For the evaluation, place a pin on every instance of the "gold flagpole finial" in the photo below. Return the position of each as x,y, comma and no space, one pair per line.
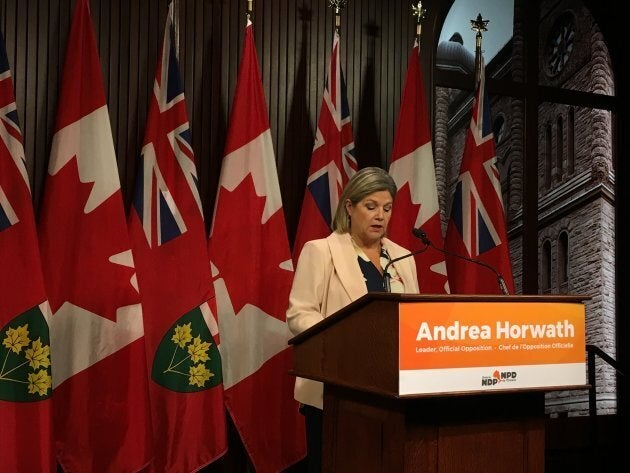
418,11
338,5
479,25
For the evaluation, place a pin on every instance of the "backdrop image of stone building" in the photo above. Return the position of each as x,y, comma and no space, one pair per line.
575,178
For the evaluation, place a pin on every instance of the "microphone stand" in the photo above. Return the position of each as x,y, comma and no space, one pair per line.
386,276
419,233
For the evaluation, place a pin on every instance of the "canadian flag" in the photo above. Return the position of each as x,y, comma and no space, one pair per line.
100,393
412,168
253,273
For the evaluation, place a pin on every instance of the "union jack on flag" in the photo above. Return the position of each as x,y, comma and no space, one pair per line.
477,227
11,136
161,219
332,161
8,216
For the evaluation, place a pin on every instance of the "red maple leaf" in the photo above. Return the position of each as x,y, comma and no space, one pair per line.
77,247
248,254
404,216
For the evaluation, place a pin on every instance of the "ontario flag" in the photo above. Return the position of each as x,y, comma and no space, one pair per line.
477,228
101,415
26,442
253,273
332,163
412,168
169,242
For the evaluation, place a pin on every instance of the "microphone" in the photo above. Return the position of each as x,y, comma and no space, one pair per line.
421,234
386,276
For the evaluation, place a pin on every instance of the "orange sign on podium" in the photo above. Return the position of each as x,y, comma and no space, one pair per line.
479,346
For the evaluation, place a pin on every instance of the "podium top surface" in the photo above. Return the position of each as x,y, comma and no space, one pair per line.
396,298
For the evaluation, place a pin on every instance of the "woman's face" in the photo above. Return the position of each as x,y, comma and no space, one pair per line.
370,216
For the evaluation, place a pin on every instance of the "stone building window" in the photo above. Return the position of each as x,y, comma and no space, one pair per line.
560,149
548,159
498,129
571,142
546,268
507,194
559,45
563,262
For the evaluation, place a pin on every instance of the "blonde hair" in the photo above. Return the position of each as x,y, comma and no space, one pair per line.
365,182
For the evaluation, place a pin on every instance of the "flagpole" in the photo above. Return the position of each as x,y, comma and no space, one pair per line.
338,5
418,11
174,9
479,25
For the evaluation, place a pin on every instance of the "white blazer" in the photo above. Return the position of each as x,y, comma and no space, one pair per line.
327,278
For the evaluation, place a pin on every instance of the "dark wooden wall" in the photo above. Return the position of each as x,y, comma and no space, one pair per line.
293,40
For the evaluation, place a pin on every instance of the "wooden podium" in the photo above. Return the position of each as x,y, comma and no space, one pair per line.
369,426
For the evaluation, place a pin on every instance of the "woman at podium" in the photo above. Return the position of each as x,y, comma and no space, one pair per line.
334,271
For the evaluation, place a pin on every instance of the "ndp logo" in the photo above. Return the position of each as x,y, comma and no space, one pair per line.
498,377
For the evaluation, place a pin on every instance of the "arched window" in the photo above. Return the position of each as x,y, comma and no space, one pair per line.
563,262
507,197
498,129
545,283
559,149
571,142
548,158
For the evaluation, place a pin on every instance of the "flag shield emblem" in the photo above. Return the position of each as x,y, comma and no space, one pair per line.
25,352
187,359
